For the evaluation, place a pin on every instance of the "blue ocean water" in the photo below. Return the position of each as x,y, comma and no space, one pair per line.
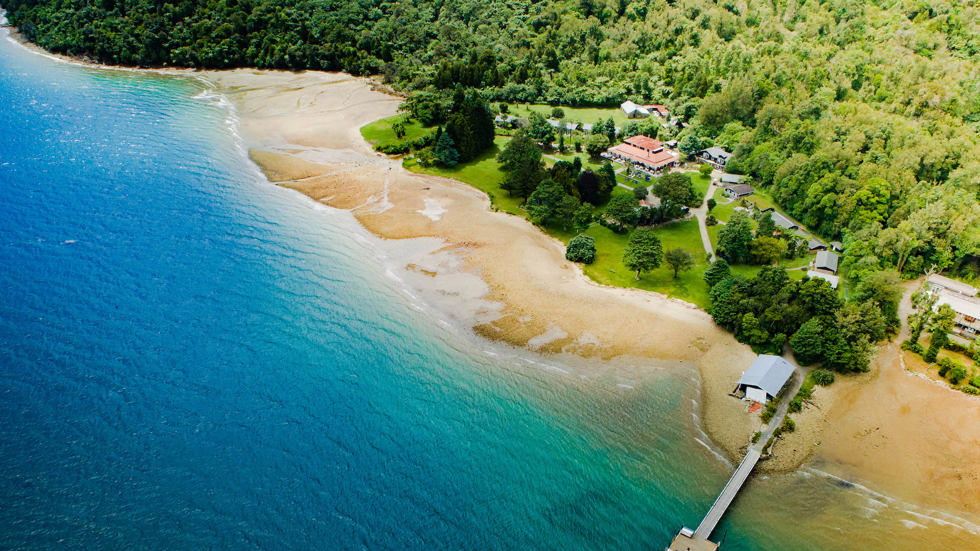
193,358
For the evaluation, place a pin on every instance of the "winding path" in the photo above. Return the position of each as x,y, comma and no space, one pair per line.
701,214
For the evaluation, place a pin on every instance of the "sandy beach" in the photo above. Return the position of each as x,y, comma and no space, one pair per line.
498,274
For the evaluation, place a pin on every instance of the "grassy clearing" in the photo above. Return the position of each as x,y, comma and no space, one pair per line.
722,211
585,115
570,157
701,184
380,132
608,268
482,173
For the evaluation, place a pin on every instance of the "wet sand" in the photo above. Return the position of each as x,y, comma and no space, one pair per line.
902,432
508,281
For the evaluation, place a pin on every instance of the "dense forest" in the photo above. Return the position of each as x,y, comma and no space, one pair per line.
860,117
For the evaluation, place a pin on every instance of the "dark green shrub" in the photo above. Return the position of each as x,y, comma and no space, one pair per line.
795,405
789,425
755,437
581,249
972,390
913,346
770,410
822,377
945,364
957,374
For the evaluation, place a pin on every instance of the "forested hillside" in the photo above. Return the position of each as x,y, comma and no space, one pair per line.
861,117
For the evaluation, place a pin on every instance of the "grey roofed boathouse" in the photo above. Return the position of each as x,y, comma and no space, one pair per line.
768,373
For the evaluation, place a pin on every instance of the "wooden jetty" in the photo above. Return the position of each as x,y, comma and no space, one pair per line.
697,540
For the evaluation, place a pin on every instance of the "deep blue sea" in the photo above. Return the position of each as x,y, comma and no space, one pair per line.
193,358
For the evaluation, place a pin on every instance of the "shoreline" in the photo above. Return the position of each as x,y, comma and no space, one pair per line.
532,298
500,275
316,149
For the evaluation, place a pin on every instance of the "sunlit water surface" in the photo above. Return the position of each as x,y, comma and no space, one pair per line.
193,358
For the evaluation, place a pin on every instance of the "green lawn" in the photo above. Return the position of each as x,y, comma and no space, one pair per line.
380,132
701,184
761,200
585,115
570,157
749,270
482,173
608,268
722,211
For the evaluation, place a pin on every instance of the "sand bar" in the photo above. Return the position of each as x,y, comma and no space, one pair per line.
509,281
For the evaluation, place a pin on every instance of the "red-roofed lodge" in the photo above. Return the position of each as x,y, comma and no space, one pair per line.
645,152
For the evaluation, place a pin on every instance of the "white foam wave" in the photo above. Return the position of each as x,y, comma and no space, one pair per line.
932,515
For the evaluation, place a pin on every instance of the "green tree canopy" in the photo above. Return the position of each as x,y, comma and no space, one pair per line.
680,260
676,187
596,144
445,150
540,130
622,210
643,251
581,248
549,205
520,160
766,250
716,271
734,238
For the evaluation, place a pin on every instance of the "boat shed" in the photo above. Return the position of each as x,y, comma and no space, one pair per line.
765,378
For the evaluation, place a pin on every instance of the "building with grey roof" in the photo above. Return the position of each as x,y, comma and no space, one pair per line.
764,379
732,178
736,191
830,278
816,245
715,156
784,222
826,260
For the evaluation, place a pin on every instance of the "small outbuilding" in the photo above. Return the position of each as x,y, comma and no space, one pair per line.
826,260
836,246
816,244
830,278
634,111
784,222
764,379
732,178
736,191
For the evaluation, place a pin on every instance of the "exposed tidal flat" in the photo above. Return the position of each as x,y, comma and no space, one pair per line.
197,358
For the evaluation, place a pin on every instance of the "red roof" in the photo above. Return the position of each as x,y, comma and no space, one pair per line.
663,111
644,142
642,156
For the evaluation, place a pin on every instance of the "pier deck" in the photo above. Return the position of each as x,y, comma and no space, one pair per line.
698,540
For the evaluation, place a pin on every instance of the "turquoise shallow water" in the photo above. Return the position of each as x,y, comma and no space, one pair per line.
193,358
